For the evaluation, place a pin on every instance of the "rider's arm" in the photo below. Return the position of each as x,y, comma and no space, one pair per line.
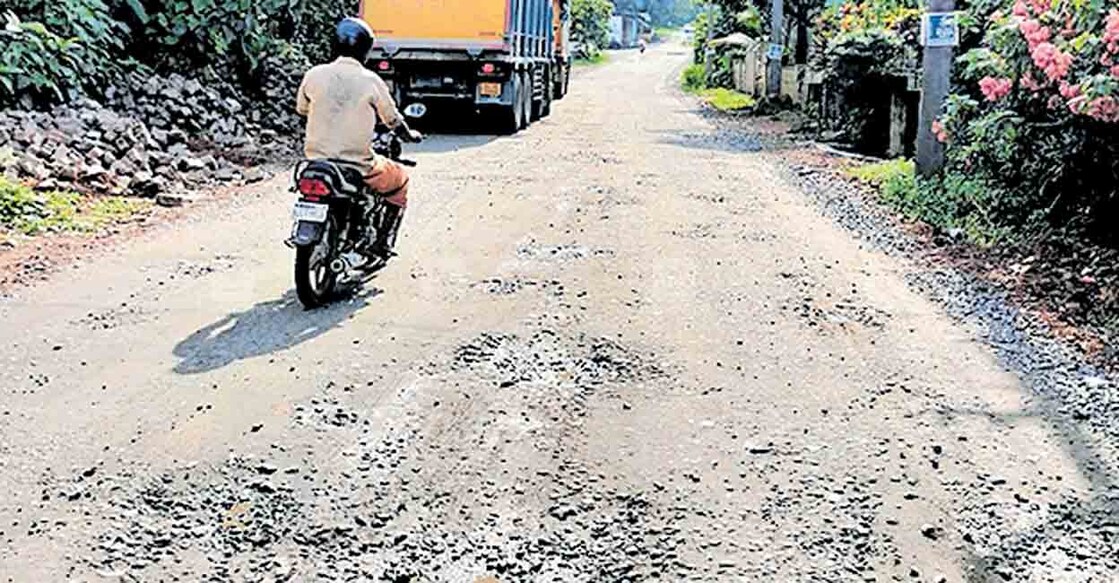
302,102
384,104
387,111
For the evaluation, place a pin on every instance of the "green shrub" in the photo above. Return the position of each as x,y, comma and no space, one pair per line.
590,25
1035,115
53,49
39,64
954,203
692,78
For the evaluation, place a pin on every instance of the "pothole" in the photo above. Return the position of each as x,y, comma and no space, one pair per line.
510,286
546,356
560,253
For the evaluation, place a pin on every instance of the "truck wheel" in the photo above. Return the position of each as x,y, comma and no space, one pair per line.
510,118
546,100
526,100
557,83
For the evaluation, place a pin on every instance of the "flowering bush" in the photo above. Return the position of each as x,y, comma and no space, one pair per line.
1035,117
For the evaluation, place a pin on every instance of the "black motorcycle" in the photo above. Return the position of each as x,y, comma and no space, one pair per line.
336,220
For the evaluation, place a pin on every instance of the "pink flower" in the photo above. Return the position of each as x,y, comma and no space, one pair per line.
939,131
1111,31
1068,90
1111,26
1021,10
1115,71
1040,6
1052,60
995,89
1104,108
1028,82
1035,33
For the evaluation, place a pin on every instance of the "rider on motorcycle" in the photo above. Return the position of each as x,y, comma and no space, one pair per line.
343,102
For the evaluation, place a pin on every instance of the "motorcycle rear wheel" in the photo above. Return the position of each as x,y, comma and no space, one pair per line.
315,282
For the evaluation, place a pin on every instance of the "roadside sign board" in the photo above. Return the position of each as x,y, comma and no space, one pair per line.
940,29
774,51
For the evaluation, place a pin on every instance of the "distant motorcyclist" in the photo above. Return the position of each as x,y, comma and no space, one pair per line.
642,45
343,102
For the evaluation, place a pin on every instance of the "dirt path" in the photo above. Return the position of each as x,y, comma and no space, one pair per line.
613,349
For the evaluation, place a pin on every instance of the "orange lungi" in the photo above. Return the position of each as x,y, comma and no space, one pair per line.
390,180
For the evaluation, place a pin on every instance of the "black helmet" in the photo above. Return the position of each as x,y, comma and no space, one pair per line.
353,38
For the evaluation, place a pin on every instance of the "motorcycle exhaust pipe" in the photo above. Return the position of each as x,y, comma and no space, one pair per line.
339,265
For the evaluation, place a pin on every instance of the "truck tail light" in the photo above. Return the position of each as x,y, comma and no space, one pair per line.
488,69
384,66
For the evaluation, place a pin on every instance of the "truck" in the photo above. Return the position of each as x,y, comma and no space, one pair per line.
507,60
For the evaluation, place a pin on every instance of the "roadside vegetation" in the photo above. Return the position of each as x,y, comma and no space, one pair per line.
1030,130
599,58
720,98
590,29
25,211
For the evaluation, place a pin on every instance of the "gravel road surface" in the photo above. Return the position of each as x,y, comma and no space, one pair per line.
615,347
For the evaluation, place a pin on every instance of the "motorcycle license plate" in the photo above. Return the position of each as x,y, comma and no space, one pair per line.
309,211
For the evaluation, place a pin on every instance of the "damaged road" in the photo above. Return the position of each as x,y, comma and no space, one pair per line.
616,347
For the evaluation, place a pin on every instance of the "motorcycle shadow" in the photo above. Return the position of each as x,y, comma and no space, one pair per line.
266,328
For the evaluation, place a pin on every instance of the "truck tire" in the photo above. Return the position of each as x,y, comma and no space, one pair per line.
546,99
563,78
526,99
557,83
510,118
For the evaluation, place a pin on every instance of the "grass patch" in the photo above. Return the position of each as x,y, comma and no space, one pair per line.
596,59
29,212
901,172
727,100
952,204
694,80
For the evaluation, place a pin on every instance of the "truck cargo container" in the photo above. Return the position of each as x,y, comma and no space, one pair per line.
508,60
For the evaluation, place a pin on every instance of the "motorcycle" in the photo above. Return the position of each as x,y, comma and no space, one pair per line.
336,220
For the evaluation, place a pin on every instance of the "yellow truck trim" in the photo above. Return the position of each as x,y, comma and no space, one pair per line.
438,23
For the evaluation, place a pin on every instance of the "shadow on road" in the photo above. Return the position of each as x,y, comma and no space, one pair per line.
443,143
265,328
717,141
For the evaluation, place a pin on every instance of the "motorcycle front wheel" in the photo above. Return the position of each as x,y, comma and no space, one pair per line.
315,281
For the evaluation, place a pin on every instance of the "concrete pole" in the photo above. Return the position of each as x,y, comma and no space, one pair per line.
707,42
936,68
773,66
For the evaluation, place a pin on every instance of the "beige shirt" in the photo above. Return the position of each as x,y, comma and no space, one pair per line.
343,101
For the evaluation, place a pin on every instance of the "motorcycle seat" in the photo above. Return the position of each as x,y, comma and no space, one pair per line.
342,177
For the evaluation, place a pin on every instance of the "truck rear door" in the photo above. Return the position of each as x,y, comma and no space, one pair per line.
438,24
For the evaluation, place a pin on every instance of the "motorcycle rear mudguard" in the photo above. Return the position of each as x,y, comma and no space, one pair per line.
307,233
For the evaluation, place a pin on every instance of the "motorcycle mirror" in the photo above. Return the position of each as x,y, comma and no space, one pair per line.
415,110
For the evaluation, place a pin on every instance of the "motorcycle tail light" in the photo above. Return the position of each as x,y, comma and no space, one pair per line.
383,65
488,69
313,187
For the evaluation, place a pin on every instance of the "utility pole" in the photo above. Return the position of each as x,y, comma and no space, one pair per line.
707,42
776,47
939,36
